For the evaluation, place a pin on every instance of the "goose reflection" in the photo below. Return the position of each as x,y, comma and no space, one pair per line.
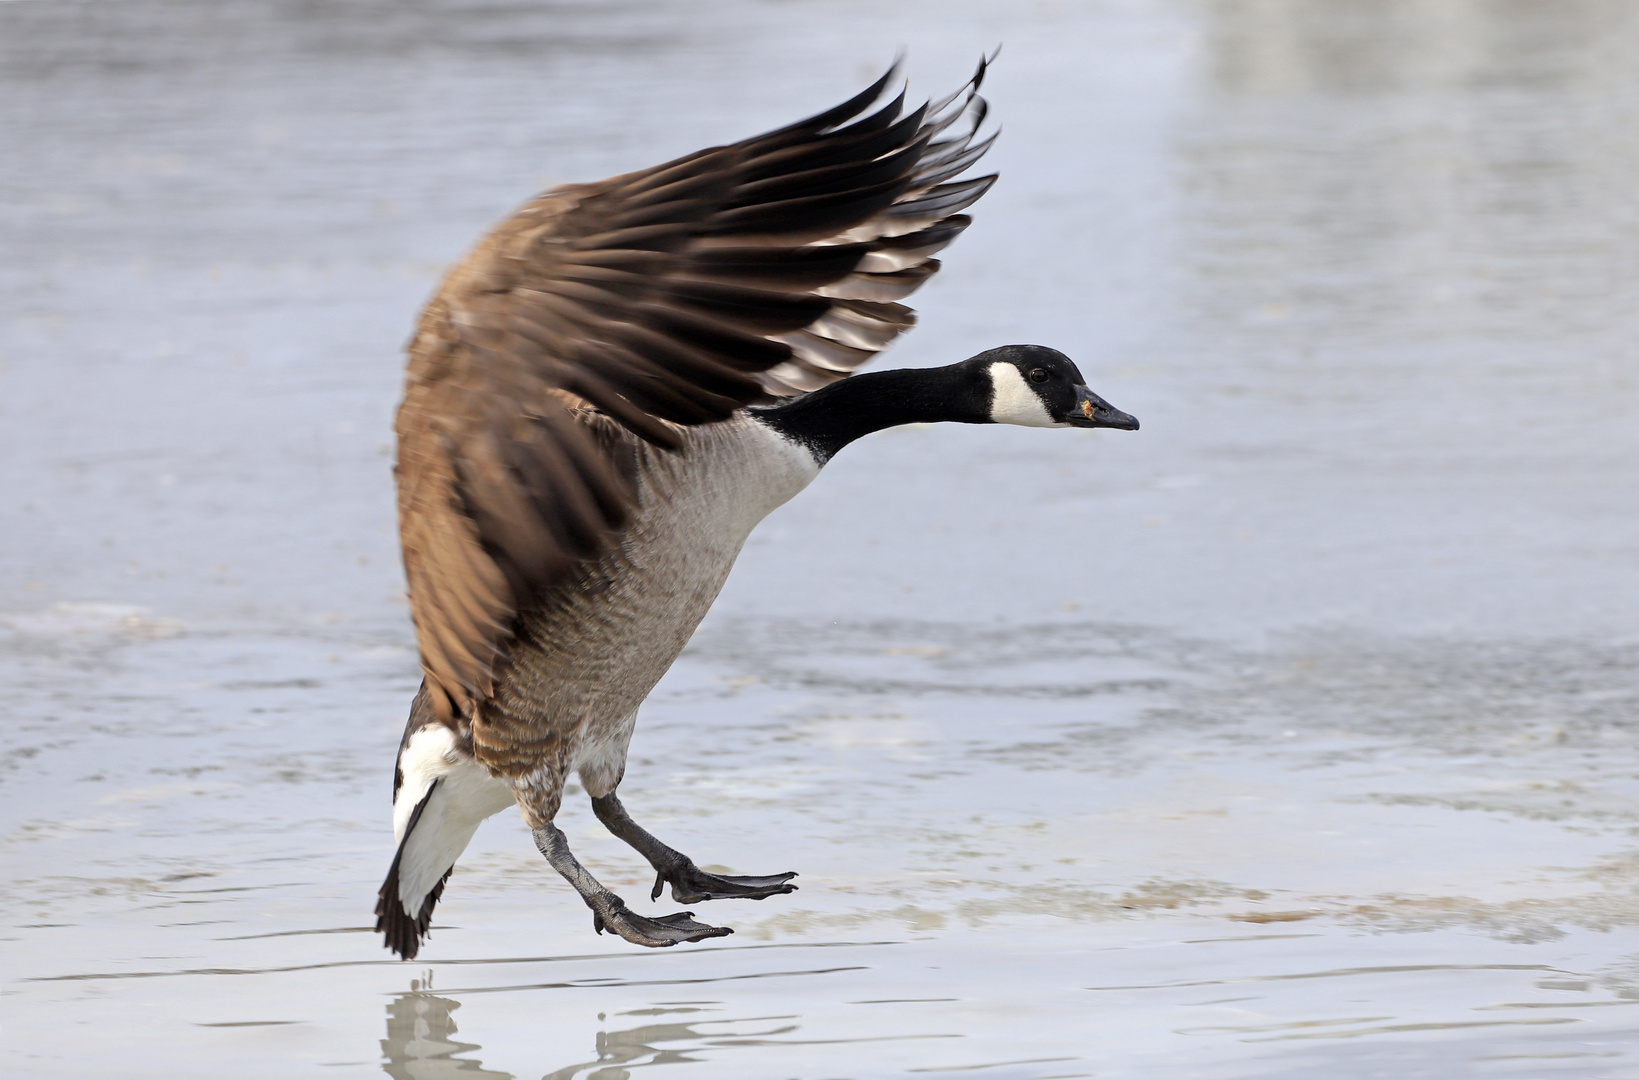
646,1045
420,1043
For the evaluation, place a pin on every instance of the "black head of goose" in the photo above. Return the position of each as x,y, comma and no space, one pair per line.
1028,385
604,398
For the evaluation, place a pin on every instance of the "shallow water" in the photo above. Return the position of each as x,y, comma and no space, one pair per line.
1294,735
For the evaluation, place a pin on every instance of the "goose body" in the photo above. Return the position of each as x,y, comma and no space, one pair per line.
605,398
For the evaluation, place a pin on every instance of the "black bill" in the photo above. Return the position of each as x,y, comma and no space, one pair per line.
1094,411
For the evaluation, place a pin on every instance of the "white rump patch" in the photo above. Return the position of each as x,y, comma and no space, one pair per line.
466,794
1014,402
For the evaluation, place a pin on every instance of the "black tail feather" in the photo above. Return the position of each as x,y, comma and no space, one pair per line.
403,933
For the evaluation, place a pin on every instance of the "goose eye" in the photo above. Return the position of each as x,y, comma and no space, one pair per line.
1039,375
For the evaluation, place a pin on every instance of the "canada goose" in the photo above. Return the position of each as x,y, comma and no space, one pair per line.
604,398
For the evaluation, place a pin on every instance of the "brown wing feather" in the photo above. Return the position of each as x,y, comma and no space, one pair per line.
604,313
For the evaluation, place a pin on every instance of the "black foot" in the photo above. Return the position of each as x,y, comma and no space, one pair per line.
658,933
690,885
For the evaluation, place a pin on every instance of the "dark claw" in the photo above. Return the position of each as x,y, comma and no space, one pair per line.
691,885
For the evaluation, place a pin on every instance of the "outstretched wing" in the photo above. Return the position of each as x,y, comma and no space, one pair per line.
667,297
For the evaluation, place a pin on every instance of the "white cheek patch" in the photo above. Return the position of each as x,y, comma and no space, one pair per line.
1014,402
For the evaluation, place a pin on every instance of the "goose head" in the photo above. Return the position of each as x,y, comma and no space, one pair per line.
1034,386
1029,385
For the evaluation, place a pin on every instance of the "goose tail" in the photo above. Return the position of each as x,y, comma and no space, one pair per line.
441,795
403,928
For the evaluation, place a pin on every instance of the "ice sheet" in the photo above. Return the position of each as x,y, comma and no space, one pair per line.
1294,735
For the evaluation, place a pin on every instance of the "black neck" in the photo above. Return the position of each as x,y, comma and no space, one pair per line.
832,417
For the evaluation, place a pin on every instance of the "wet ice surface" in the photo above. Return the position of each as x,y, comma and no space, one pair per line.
1291,736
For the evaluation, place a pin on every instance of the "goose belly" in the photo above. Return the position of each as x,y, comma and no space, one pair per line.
585,659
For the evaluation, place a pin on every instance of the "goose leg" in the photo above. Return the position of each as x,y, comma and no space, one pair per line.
690,884
609,912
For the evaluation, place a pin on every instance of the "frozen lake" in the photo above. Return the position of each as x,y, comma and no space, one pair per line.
1296,735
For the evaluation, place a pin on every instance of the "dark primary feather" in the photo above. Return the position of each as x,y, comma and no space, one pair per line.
616,311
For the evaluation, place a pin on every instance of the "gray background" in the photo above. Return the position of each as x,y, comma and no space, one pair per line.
1295,732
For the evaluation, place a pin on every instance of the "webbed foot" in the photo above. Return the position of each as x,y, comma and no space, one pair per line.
691,885
657,933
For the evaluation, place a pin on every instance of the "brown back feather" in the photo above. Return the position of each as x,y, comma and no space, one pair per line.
604,312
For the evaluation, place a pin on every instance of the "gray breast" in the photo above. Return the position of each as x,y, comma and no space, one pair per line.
587,656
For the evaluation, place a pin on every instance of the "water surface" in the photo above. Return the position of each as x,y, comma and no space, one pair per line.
1294,735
